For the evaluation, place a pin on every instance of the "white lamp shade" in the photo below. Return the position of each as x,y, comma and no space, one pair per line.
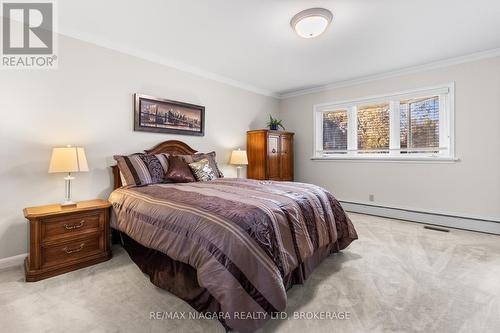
239,157
68,159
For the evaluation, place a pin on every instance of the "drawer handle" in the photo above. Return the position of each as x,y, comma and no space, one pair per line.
78,249
273,151
74,226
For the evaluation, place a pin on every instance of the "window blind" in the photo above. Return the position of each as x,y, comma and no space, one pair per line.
335,130
419,124
373,127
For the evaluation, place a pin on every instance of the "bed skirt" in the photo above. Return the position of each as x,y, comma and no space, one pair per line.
180,279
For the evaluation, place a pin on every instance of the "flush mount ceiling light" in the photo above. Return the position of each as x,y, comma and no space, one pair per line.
311,22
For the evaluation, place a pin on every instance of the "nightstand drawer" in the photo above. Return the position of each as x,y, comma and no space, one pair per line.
71,225
70,251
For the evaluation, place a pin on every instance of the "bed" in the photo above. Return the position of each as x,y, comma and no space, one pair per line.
231,248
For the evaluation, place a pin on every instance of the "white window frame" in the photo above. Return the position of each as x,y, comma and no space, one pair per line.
446,93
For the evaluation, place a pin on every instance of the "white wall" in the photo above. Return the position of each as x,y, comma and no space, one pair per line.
88,101
469,188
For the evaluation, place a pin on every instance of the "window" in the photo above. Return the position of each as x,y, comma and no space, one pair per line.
335,130
373,128
409,125
419,123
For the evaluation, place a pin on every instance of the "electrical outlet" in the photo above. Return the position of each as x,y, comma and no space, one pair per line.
371,197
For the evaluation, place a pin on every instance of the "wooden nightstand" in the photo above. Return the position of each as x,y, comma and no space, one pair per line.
64,239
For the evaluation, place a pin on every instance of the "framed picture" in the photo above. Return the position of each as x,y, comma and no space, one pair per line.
153,114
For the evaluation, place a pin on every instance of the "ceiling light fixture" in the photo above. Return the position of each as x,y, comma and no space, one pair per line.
311,22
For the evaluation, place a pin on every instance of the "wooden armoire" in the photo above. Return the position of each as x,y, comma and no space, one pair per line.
270,155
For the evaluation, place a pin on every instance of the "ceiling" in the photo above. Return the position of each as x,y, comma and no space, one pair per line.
251,44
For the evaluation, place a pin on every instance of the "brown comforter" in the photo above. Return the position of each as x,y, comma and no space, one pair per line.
243,237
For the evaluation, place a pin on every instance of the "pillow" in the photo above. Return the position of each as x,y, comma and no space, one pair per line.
143,169
122,179
202,170
179,171
211,161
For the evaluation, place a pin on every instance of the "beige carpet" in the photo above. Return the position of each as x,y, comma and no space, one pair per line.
398,277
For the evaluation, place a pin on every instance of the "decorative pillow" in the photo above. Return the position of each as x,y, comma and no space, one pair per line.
143,169
202,170
179,171
211,161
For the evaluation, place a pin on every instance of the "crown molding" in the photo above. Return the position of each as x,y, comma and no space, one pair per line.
167,62
265,92
404,71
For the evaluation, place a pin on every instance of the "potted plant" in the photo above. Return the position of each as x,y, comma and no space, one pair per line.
274,123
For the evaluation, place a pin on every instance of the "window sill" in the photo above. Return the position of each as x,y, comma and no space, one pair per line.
423,159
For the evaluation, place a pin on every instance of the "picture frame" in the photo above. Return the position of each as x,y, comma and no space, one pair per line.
159,115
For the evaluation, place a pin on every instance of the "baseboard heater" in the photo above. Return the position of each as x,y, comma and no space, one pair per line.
428,218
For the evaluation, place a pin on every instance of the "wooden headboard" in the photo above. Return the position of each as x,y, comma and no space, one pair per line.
172,147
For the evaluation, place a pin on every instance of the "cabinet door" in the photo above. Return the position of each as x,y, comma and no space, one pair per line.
257,155
273,157
286,157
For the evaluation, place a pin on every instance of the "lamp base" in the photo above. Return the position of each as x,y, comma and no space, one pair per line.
67,200
238,171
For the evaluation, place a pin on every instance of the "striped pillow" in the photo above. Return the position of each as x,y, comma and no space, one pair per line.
143,169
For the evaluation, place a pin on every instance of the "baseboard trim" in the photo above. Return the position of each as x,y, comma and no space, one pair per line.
443,220
12,261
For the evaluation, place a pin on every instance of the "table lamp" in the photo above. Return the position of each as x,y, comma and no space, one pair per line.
68,159
239,158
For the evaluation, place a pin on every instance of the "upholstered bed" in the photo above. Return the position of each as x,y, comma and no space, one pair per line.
229,246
